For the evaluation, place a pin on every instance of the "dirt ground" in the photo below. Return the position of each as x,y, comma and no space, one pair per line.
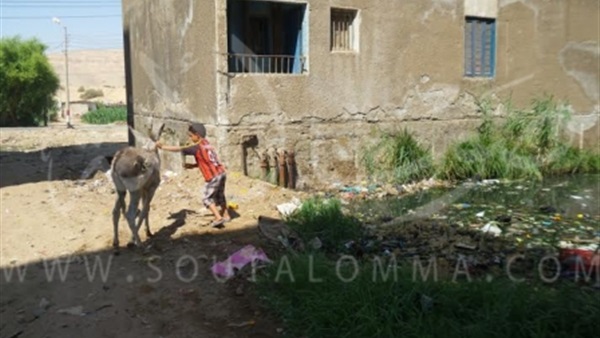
59,275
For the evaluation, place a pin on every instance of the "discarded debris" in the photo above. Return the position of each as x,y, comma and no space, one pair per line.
278,232
168,174
238,260
315,243
492,229
44,304
286,209
577,258
426,303
78,310
242,324
74,311
465,246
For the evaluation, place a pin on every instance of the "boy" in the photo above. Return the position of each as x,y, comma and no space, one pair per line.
212,170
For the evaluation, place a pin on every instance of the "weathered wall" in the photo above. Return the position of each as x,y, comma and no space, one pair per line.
173,62
408,72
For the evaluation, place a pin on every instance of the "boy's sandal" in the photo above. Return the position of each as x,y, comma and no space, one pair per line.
217,224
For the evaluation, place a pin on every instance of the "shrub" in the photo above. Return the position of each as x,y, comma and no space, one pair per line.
105,115
526,145
398,157
324,218
91,93
28,82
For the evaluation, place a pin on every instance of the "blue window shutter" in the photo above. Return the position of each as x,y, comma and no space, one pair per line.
493,49
480,47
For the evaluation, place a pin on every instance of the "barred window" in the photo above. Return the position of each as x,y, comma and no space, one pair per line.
267,37
480,47
344,35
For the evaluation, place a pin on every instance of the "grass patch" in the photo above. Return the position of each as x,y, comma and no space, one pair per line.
527,145
493,160
324,218
398,157
563,159
376,307
105,115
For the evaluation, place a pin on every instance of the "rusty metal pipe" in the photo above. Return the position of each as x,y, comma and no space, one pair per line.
291,169
282,167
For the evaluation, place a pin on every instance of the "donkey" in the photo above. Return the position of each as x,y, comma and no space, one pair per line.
135,170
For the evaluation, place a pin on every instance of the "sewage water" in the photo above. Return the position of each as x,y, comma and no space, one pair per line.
566,206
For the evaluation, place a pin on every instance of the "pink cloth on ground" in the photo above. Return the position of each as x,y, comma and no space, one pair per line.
238,260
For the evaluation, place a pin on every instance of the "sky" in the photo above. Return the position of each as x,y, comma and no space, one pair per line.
91,24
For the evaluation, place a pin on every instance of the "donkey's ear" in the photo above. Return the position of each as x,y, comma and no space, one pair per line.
160,131
140,138
156,136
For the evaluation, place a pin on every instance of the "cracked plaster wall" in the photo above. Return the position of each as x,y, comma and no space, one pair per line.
173,63
408,73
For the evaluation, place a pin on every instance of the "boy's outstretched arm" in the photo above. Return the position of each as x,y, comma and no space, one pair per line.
168,148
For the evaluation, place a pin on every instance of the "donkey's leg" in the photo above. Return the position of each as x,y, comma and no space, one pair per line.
148,199
119,207
134,200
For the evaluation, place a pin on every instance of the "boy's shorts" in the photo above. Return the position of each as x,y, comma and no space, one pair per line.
214,191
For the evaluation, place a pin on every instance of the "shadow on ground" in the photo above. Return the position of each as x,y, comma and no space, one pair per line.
55,163
163,289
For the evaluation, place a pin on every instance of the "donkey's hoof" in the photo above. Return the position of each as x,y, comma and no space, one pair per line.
115,247
131,245
149,234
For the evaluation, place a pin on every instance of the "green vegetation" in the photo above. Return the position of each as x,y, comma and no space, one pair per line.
91,93
322,294
525,145
398,157
105,115
28,83
323,218
368,306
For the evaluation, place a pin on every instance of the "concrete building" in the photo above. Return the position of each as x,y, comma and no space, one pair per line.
322,78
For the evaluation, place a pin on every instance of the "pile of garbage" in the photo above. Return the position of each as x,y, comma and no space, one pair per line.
369,191
461,227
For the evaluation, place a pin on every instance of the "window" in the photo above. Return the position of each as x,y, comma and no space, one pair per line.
344,30
266,37
480,47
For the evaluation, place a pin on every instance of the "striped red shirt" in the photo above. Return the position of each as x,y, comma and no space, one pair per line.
206,159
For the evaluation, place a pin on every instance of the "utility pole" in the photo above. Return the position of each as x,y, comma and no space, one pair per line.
68,103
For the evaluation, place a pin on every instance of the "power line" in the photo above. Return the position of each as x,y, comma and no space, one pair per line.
11,6
97,37
74,2
62,17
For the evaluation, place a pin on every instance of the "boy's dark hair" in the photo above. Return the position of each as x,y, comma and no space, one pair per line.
198,129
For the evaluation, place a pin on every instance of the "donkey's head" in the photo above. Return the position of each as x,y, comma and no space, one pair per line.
147,142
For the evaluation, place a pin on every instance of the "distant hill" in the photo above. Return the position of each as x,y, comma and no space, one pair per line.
92,69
